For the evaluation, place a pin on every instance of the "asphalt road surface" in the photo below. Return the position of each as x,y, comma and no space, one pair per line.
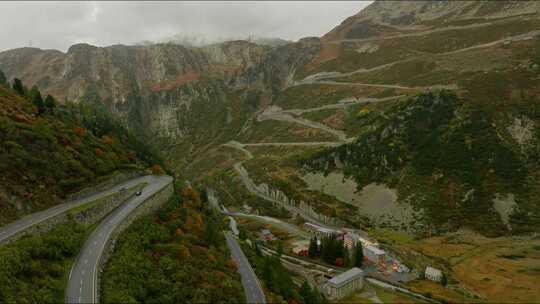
82,284
252,288
35,218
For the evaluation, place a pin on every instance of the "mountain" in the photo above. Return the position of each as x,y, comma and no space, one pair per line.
383,18
159,89
187,101
414,121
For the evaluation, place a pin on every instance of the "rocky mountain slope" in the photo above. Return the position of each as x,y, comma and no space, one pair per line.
179,98
394,17
188,101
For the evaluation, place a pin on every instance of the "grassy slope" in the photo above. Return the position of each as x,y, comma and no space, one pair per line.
436,148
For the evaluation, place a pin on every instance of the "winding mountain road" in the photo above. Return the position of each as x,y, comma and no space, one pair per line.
252,288
83,279
30,220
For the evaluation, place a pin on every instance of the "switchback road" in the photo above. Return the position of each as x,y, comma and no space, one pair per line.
82,284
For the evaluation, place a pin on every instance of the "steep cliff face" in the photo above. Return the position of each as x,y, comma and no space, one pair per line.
168,92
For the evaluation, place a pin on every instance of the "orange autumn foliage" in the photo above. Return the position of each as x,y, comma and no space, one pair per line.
98,152
107,140
81,132
231,264
191,197
157,170
183,253
194,224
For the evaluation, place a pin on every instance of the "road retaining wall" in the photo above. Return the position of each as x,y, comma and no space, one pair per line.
115,179
86,216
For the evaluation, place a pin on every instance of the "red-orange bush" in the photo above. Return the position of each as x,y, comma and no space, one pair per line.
81,132
98,152
157,170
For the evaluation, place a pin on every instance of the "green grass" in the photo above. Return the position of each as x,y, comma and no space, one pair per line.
457,39
390,236
282,131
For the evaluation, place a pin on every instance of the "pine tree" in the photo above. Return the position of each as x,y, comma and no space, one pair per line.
346,256
306,293
312,251
242,234
258,251
358,255
444,280
3,79
18,86
50,104
280,249
37,100
268,272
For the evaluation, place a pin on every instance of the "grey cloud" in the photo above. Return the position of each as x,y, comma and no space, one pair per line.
59,24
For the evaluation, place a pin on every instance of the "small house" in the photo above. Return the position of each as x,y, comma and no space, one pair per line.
433,274
266,235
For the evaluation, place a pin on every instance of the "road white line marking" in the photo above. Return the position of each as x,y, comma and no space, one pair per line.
82,272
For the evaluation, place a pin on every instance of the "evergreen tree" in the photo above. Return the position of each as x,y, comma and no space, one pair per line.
18,86
258,251
37,100
358,255
306,293
347,256
444,280
313,248
50,104
3,79
242,234
280,249
268,272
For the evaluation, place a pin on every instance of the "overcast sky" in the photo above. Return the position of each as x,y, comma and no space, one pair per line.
57,25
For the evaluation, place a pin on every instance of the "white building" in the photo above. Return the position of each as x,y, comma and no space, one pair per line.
344,284
433,274
374,254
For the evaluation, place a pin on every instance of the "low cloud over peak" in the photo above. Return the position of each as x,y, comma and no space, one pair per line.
58,25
